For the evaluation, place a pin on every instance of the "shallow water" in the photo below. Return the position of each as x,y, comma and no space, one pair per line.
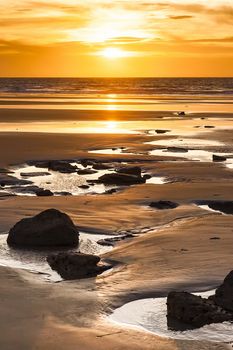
35,260
59,182
150,315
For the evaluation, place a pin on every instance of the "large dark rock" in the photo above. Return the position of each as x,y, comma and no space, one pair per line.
224,294
194,311
164,205
135,170
75,265
50,228
101,166
121,179
86,171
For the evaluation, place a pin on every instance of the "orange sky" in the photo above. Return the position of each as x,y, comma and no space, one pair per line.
116,38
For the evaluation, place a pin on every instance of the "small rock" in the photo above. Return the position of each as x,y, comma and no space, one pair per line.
219,158
164,205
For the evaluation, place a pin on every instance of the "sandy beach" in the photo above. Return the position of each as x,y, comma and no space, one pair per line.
172,250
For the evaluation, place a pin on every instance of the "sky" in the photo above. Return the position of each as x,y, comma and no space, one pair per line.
98,38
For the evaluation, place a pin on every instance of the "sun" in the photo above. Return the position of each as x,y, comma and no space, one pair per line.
113,53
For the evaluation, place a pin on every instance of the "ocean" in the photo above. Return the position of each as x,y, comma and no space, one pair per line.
122,86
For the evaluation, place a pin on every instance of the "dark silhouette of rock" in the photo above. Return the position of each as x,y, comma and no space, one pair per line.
86,162
62,166
113,240
44,193
181,113
225,207
219,158
63,193
84,187
209,126
120,179
224,294
86,171
160,131
136,171
177,149
194,310
102,166
34,174
50,228
147,176
76,265
164,205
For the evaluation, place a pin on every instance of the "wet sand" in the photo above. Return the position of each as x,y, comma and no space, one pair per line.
176,253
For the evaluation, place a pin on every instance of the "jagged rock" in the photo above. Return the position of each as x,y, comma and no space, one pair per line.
164,205
136,171
219,158
86,162
49,228
194,310
224,294
76,265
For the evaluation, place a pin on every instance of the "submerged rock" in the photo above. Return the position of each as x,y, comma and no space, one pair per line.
225,207
181,113
76,265
50,228
164,205
159,131
110,242
194,310
101,166
62,166
86,172
224,294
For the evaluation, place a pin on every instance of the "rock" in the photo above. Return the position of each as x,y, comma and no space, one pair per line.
215,238
25,189
224,294
76,265
209,126
193,310
62,166
219,158
111,241
159,131
147,176
111,191
63,193
44,193
39,163
177,149
84,187
49,228
86,172
120,179
181,113
225,207
136,171
7,180
34,174
101,166
164,205
86,162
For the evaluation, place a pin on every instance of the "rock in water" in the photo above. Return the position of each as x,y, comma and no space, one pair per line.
194,311
121,179
164,205
134,170
224,206
44,193
224,294
217,158
50,228
75,265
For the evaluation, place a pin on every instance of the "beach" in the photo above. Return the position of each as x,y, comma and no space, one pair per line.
170,249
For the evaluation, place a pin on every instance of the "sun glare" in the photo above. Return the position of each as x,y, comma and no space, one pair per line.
111,125
113,52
